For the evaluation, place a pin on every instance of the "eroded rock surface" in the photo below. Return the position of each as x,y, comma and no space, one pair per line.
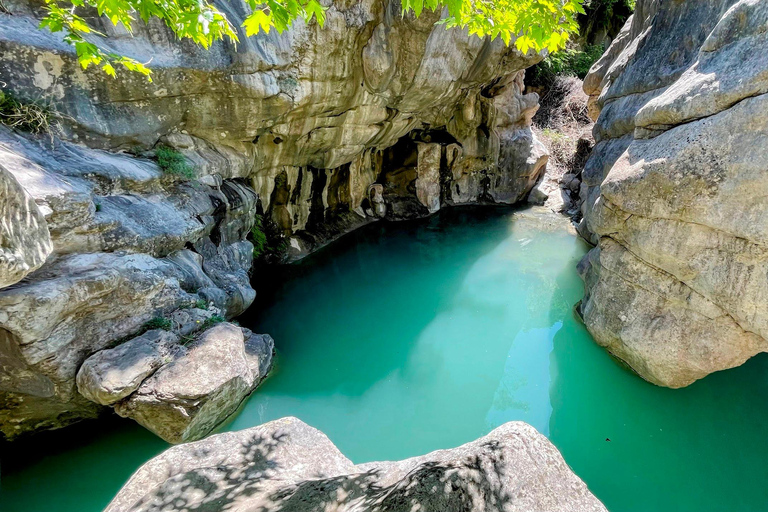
288,465
202,385
373,116
25,242
112,374
676,190
122,236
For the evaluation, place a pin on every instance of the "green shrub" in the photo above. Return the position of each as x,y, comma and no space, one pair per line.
201,304
159,322
25,116
565,63
173,162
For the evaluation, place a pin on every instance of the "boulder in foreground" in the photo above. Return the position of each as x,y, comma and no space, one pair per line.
286,465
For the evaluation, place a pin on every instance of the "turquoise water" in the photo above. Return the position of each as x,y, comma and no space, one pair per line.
404,338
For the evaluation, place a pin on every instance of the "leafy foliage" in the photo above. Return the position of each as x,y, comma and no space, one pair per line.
258,237
173,162
570,62
25,116
532,24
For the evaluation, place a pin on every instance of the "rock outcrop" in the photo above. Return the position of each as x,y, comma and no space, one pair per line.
201,385
179,386
130,244
306,115
321,130
677,191
288,465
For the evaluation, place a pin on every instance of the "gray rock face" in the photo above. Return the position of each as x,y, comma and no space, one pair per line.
122,236
111,375
373,116
206,381
287,465
676,190
306,116
24,239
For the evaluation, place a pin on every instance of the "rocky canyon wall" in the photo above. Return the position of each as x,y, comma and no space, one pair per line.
321,130
677,190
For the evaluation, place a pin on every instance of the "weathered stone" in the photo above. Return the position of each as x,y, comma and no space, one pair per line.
428,175
288,465
204,384
676,190
111,375
24,239
301,126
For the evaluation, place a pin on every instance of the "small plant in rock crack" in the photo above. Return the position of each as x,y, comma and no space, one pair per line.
171,161
159,322
201,304
269,244
210,322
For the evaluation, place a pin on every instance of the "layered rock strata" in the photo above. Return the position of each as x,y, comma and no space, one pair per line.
130,244
288,465
306,116
676,190
321,130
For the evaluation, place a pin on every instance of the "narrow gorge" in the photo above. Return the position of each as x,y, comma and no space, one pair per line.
334,228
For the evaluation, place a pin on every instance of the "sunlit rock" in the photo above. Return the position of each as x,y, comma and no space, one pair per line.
288,465
202,385
676,190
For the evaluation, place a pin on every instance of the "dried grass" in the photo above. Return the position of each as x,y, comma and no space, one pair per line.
25,116
563,125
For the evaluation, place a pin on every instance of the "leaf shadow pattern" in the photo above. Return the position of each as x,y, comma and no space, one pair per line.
295,468
218,487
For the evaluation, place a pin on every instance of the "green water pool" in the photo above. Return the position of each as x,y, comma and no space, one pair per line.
404,338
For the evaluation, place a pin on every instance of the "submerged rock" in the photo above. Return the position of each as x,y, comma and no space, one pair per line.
205,382
677,192
288,465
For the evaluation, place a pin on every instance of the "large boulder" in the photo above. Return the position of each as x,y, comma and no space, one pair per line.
677,191
112,374
287,465
201,385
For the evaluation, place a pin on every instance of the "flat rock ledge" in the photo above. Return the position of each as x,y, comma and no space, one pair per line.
287,465
178,386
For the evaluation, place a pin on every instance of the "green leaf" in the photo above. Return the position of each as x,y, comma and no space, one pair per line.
256,22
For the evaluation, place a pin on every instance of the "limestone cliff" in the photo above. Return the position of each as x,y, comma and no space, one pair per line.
677,190
321,130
